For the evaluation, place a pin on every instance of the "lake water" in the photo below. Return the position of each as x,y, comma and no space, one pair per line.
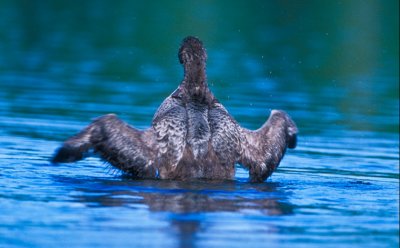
333,66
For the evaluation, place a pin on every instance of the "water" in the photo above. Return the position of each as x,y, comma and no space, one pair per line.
332,66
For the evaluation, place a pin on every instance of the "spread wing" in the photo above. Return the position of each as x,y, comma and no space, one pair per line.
123,146
264,148
170,129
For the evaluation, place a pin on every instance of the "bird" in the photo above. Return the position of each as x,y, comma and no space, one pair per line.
192,135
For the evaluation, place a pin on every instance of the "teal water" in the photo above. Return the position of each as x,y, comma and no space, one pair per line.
333,66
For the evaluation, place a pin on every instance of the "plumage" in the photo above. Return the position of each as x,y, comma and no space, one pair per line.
192,135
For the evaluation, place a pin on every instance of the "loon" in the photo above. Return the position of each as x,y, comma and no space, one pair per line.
191,136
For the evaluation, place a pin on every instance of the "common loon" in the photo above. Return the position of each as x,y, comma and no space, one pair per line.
191,136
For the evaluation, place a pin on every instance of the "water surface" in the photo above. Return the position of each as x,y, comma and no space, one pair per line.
332,66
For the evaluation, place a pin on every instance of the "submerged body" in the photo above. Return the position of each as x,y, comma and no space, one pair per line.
192,135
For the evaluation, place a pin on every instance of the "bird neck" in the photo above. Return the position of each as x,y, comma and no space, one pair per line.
195,80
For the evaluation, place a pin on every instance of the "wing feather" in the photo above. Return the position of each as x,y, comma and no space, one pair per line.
263,149
226,135
170,128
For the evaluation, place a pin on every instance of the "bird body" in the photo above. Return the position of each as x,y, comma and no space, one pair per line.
191,136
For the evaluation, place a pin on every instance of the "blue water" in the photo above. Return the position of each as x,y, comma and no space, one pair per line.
62,65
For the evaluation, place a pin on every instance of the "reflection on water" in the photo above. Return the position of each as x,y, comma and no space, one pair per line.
189,197
186,203
332,65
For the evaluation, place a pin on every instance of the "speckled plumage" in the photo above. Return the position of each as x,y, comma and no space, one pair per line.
192,135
